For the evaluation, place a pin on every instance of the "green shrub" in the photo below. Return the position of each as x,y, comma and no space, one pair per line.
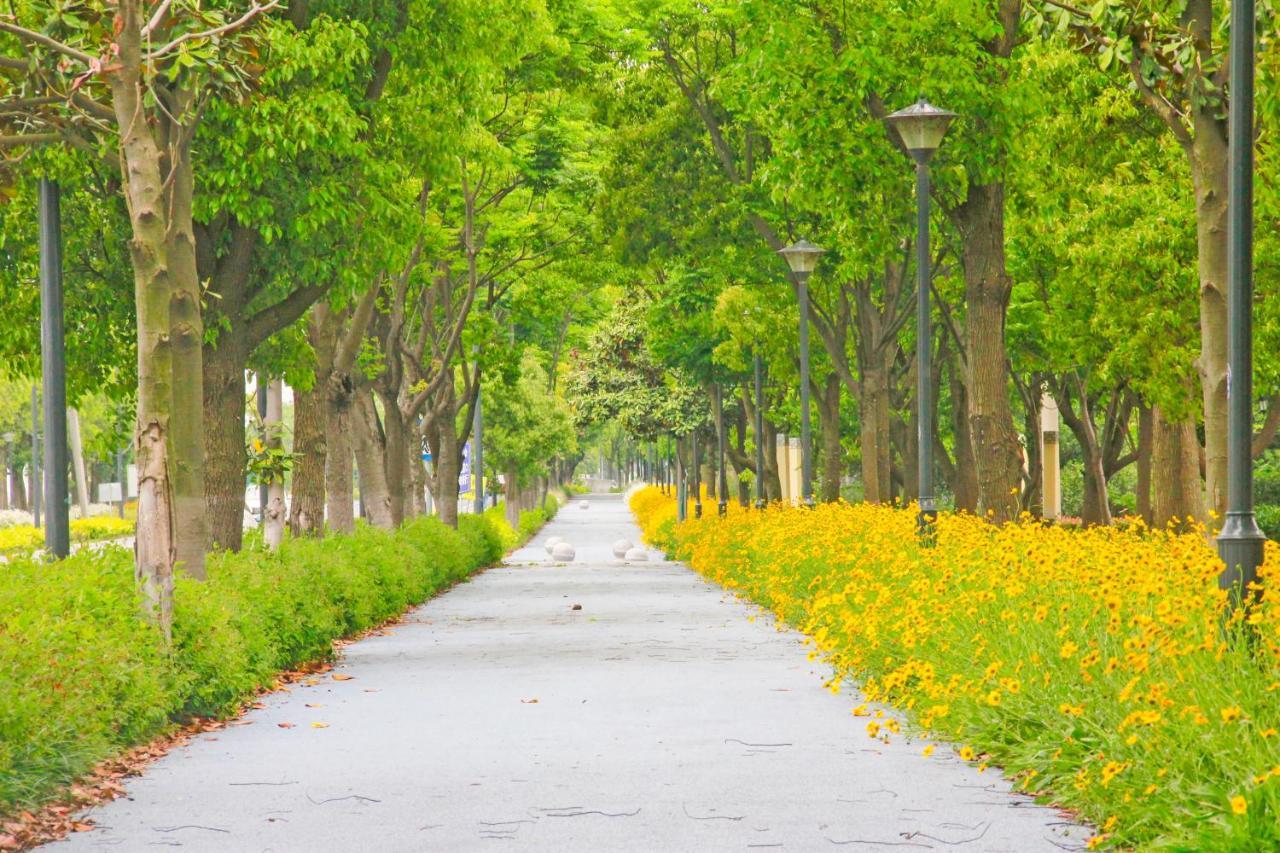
83,676
1269,519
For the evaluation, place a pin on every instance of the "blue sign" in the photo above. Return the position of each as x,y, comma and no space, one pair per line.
464,475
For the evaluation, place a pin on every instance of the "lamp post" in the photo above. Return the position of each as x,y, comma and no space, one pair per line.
722,481
802,256
57,533
921,127
697,476
1241,543
759,425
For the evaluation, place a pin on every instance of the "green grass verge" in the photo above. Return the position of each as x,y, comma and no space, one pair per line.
83,676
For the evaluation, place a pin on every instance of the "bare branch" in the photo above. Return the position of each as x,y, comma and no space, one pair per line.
157,18
45,41
239,23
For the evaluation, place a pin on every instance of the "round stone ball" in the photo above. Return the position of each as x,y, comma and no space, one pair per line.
563,552
584,505
553,542
621,547
637,555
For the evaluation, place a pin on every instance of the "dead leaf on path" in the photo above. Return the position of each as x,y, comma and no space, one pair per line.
82,826
372,690
312,682
315,704
576,607
319,725
338,676
8,842
285,725
529,701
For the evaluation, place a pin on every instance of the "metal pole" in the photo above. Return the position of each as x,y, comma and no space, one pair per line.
1241,543
697,477
924,335
682,488
722,482
806,429
57,534
759,425
35,455
478,462
262,419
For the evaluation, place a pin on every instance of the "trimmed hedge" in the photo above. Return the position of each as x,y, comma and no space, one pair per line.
83,676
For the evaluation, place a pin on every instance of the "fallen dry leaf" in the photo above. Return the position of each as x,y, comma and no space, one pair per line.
315,704
338,676
576,607
319,725
82,826
285,725
529,701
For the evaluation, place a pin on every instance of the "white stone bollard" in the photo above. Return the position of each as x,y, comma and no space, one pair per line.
553,542
637,555
621,547
563,552
584,505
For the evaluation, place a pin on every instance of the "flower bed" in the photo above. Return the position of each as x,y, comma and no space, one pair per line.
1092,665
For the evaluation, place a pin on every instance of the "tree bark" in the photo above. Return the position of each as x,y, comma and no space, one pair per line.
965,486
77,461
274,516
874,437
370,453
224,437
1145,436
339,483
310,453
1176,494
1209,172
987,288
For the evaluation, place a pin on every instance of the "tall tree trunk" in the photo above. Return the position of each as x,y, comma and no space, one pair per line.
186,438
77,461
987,287
370,453
339,485
1145,427
446,453
966,483
874,437
1176,494
832,452
773,476
19,489
274,515
310,453
1209,171
224,437
399,477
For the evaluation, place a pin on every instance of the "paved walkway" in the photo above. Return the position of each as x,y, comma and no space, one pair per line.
657,717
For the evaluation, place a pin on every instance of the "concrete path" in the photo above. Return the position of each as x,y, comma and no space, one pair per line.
658,717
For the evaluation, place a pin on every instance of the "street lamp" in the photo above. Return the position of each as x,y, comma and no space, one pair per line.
759,425
921,127
722,481
802,257
1241,543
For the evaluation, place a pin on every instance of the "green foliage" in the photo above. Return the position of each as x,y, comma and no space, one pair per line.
83,676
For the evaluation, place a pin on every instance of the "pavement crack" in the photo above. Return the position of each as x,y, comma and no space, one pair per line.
756,745
591,812
709,817
978,837
191,826
879,843
359,797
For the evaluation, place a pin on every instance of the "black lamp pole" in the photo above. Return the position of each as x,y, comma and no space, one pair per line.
921,127
1241,543
722,482
759,425
57,531
802,257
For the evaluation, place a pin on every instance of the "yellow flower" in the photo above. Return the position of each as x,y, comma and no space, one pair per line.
860,711
1239,805
928,750
873,728
966,753
1068,650
1095,842
1230,715
993,698
1070,710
